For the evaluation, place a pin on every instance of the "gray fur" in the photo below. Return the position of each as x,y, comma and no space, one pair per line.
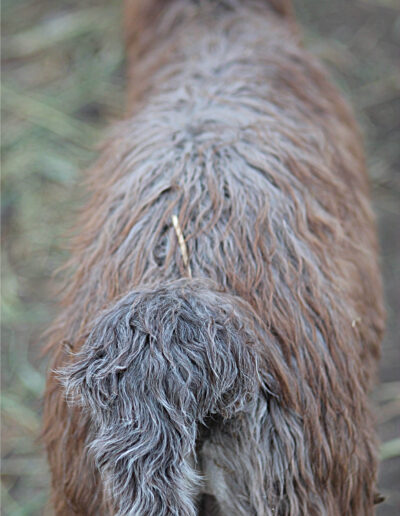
152,368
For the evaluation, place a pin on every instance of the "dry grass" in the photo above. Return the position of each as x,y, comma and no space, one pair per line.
62,84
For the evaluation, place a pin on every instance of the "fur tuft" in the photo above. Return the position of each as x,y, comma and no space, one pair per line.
153,367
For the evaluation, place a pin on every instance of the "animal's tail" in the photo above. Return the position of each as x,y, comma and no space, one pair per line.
153,367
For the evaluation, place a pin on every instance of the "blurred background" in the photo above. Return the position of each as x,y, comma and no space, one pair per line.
62,85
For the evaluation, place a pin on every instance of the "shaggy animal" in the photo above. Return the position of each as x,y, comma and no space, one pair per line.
222,320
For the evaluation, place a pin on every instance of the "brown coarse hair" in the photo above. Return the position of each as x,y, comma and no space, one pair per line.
222,318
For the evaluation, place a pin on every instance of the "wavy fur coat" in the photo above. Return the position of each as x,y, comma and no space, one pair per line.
222,319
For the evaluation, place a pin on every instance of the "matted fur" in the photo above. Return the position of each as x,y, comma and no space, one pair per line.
244,387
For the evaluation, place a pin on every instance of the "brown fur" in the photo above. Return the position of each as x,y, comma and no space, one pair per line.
294,238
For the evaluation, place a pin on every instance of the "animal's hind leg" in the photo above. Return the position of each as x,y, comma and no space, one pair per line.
257,465
232,463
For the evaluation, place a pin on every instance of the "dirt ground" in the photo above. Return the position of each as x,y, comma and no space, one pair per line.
62,84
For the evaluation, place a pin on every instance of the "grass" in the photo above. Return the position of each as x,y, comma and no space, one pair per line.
62,84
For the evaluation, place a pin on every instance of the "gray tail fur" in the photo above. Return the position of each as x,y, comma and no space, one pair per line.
152,368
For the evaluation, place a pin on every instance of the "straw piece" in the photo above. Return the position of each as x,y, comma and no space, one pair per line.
182,244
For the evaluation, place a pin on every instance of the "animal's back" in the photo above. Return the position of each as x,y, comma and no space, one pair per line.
236,130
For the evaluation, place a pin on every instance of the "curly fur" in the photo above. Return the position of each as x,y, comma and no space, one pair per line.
242,390
200,352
